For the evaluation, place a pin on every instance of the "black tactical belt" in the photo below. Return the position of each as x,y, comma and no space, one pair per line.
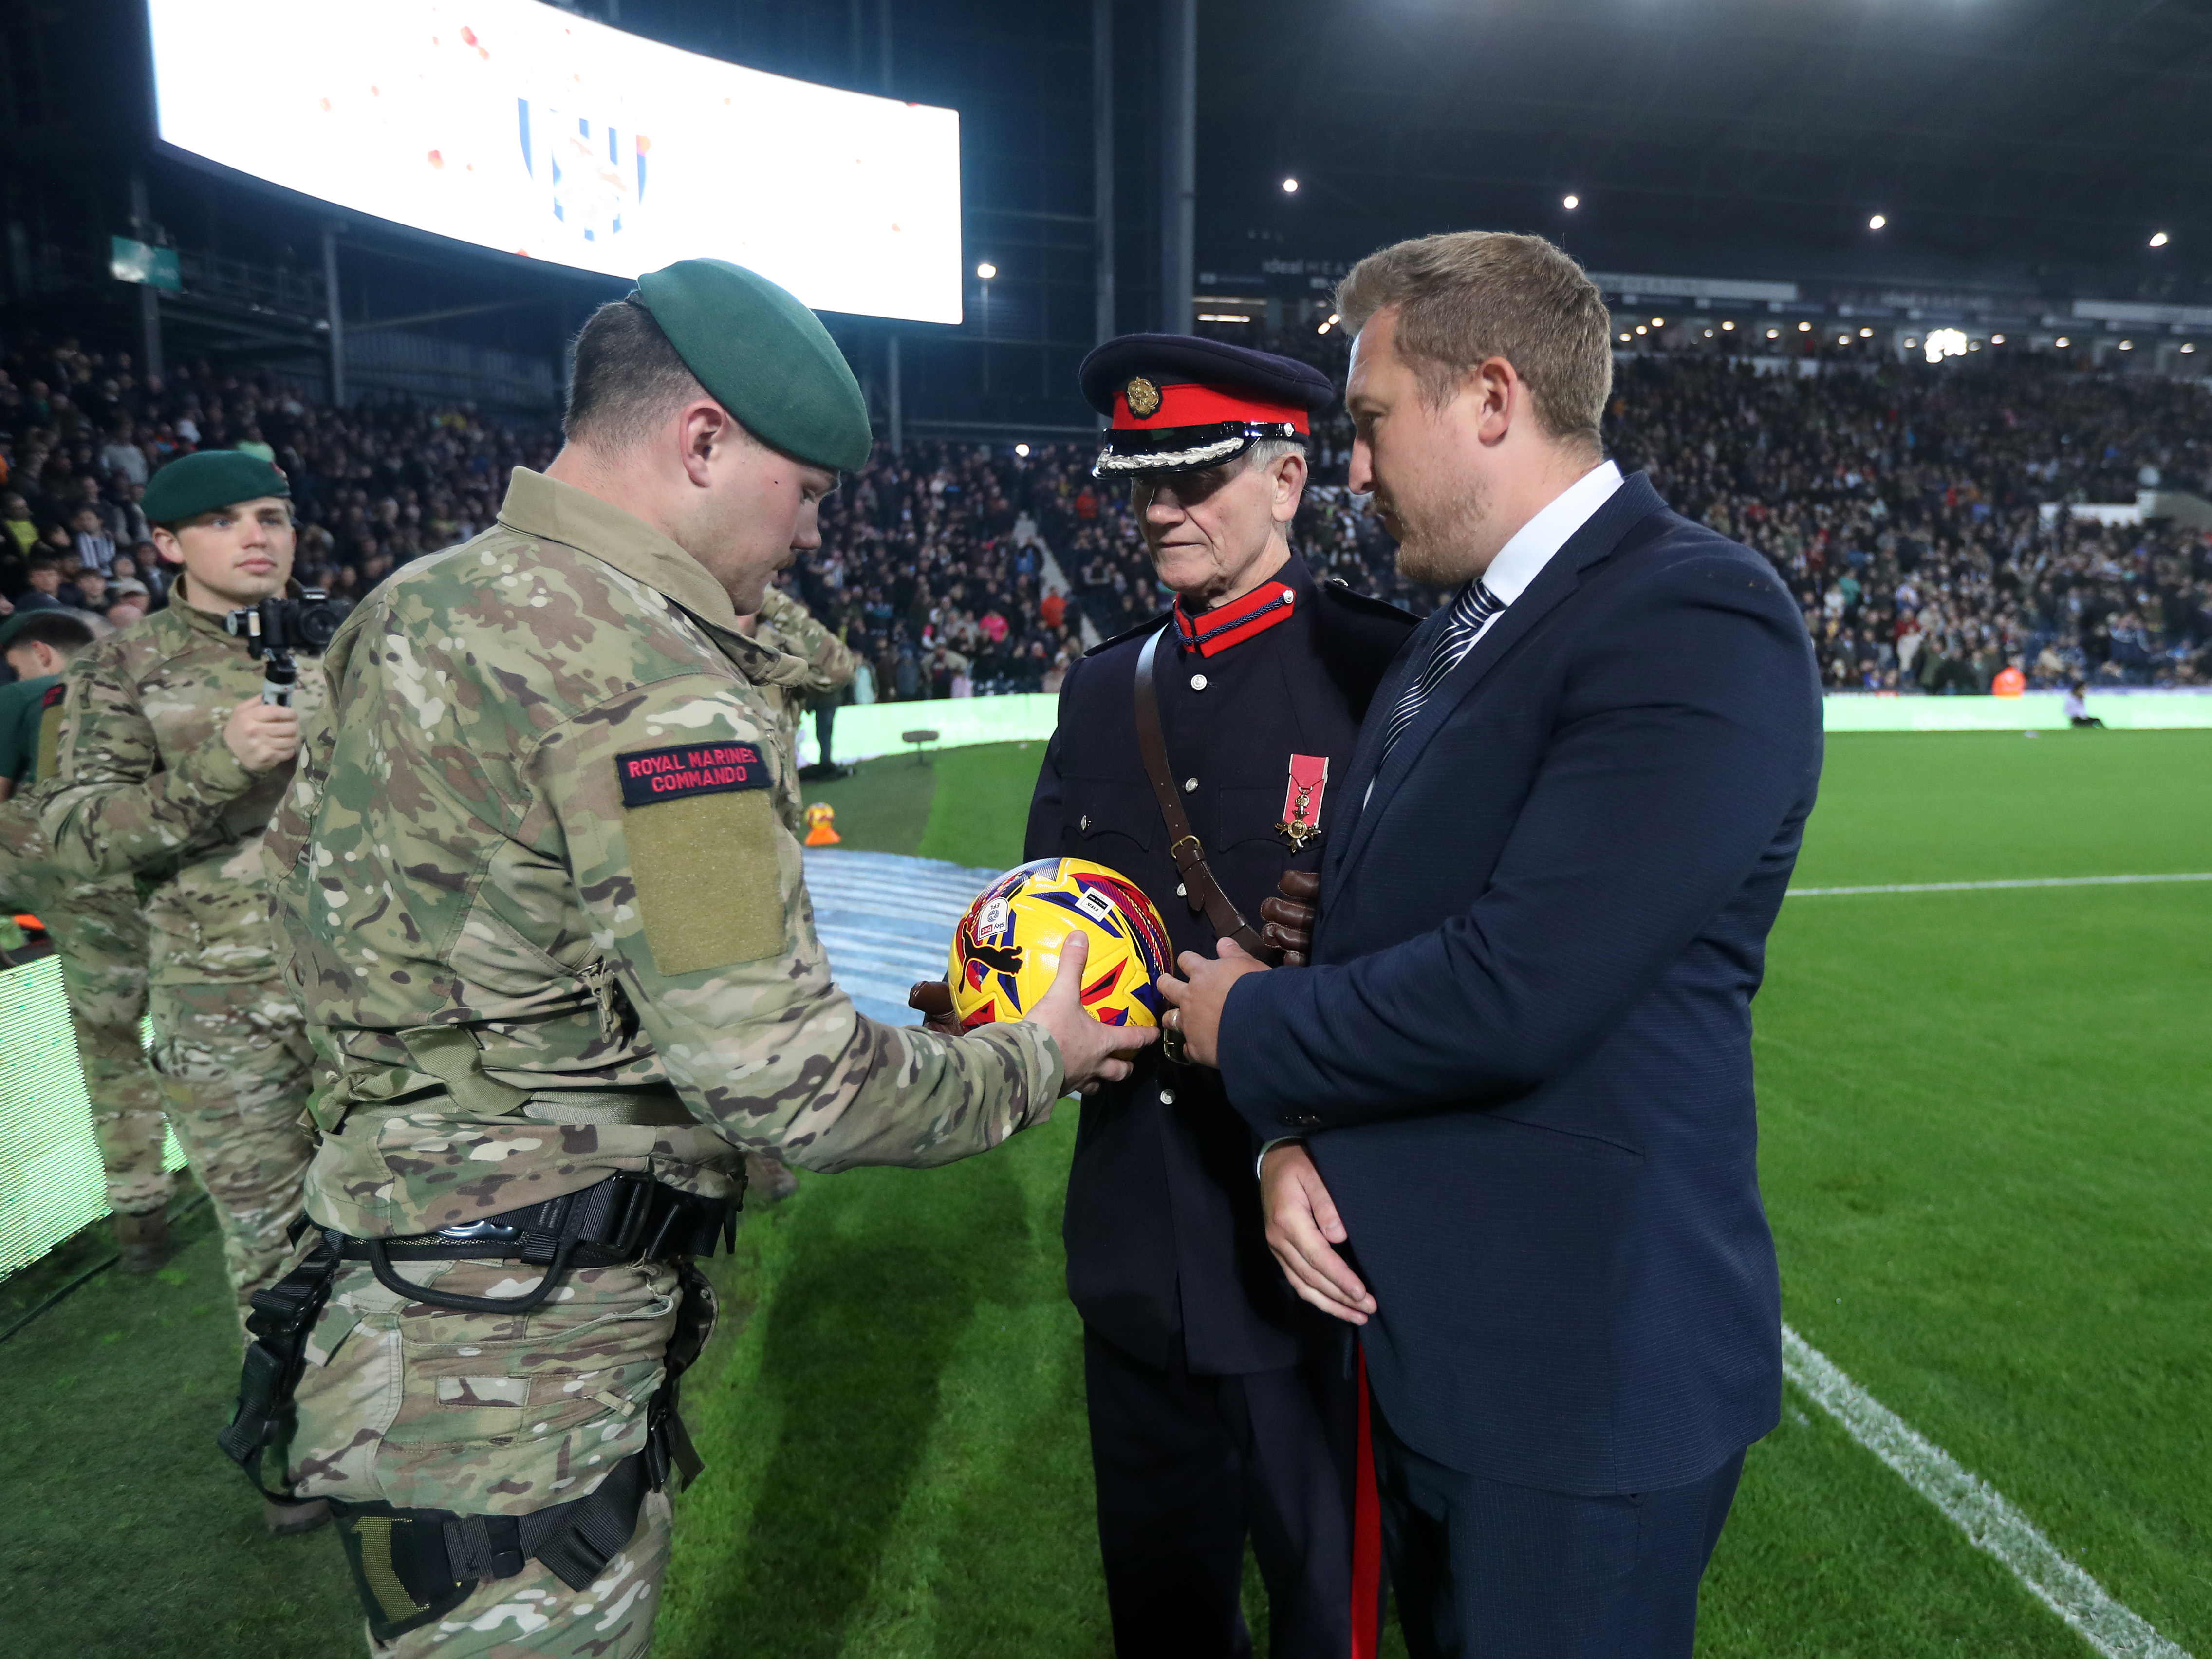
411,1565
627,1217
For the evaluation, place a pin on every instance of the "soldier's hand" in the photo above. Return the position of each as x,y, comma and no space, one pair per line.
932,999
262,736
1287,922
1092,1051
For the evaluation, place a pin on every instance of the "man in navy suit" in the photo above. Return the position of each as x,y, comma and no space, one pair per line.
1510,1106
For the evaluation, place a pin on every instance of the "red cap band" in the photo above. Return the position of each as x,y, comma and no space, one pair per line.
1191,405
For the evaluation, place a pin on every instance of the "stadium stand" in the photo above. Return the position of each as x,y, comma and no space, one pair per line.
1920,514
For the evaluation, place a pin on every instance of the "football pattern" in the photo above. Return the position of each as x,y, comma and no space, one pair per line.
1005,952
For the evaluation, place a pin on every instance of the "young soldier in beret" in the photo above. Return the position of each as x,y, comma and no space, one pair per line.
552,934
99,930
1221,1407
165,718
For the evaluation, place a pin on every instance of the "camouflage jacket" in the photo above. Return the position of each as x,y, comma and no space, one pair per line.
545,919
141,782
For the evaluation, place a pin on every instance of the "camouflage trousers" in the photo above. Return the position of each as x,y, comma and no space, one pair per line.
99,930
483,1414
232,1059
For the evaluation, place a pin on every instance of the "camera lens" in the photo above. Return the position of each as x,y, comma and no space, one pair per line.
317,622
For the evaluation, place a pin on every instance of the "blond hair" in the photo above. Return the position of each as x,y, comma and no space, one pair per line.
1467,296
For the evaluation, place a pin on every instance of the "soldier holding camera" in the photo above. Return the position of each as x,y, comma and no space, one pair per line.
169,718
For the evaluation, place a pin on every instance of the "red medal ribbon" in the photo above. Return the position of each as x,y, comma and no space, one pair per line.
1309,778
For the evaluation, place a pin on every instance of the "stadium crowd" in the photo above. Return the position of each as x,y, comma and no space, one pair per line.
1905,508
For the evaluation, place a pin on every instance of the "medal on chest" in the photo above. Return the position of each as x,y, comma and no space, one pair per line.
1302,800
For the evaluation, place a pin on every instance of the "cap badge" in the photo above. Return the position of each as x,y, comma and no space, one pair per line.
1143,397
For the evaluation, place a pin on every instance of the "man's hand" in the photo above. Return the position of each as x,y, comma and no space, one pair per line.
262,736
1302,1225
1287,922
1198,997
1092,1051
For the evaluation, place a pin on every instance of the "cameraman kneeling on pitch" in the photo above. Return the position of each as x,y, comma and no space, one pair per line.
166,719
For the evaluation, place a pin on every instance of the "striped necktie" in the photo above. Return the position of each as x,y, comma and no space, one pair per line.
1475,605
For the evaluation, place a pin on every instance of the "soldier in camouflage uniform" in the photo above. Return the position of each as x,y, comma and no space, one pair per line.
551,926
784,624
99,930
168,764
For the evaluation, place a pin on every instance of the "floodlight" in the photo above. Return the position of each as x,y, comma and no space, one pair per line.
1843,339
2188,346
1022,450
1996,339
1323,329
987,270
1729,324
1658,322
1289,186
1804,328
2063,341
1877,222
1640,328
1946,343
1333,318
2159,241
1627,337
1866,334
1709,334
2127,345
1571,203
1773,333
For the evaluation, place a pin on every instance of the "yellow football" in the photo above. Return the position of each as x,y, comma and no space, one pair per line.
1005,952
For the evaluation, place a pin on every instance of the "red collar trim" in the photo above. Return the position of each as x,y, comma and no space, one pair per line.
1216,630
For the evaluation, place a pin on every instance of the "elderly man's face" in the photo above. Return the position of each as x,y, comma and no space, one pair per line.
1210,533
1413,458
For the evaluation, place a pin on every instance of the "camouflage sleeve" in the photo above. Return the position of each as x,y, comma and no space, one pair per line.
830,661
696,894
110,806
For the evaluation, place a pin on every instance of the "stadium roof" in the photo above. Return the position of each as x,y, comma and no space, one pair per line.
2049,139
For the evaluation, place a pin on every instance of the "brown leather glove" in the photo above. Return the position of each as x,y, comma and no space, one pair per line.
1287,922
933,998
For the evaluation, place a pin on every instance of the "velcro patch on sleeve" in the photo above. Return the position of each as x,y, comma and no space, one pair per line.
651,775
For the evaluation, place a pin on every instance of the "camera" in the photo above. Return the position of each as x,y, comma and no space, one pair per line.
306,623
274,629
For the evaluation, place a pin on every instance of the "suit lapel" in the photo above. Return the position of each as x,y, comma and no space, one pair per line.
1351,808
1560,576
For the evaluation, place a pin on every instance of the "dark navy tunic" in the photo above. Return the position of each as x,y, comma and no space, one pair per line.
1167,1258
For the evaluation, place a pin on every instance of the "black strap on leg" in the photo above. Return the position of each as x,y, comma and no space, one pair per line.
282,1318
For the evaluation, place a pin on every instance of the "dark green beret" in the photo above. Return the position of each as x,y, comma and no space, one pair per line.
193,484
765,357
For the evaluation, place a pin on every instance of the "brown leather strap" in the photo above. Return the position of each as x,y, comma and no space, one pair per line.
1199,886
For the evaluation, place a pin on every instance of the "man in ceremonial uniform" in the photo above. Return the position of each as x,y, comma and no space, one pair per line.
561,972
1220,1407
99,930
166,719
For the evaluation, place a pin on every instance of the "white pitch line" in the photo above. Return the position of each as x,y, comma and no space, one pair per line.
1978,1509
1992,886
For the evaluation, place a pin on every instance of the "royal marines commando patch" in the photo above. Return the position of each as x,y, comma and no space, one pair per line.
709,769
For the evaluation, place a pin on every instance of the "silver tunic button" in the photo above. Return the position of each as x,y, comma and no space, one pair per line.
1182,891
1190,785
1084,822
1198,681
1167,1096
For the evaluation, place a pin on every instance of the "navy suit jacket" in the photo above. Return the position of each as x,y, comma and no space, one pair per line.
1522,1057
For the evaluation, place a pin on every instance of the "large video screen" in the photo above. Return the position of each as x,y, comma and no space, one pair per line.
516,126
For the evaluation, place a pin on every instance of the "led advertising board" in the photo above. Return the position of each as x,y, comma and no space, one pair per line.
513,126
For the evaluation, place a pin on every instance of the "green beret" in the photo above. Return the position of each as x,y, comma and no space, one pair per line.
765,357
193,484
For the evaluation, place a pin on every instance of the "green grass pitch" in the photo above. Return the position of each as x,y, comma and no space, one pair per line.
1985,1151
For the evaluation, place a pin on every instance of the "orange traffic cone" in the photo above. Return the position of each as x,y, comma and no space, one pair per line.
822,825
